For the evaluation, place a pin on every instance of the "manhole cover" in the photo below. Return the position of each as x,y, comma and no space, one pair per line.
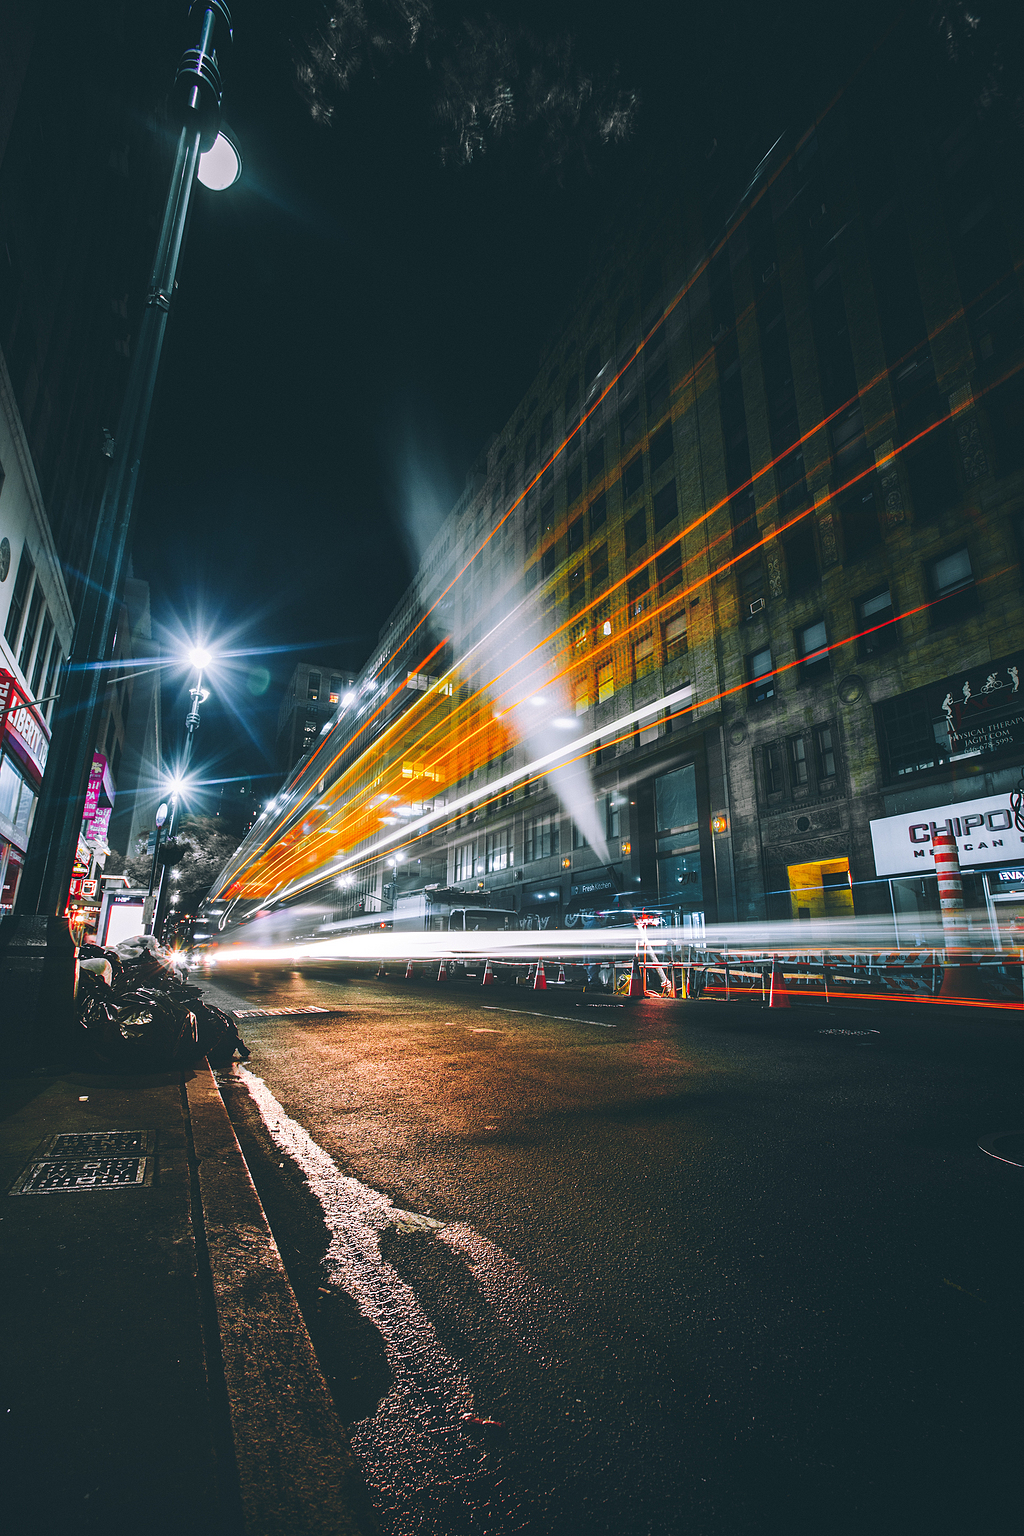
98,1143
66,1176
1006,1146
275,1013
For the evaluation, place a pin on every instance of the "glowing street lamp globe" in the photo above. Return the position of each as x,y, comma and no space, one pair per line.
199,657
221,165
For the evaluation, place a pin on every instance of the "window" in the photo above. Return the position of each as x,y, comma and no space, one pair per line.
572,395
798,760
510,480
824,749
577,587
540,838
19,596
16,798
661,446
582,693
547,515
335,693
643,656
605,682
531,449
630,423
599,568
931,471
598,513
547,561
578,840
951,583
31,625
574,483
761,670
858,517
774,781
41,653
531,532
612,814
313,686
52,674
658,390
665,505
871,611
592,363
1005,407
465,857
801,562
546,430
575,535
670,567
675,638
633,477
636,532
812,647
638,589
498,850
595,461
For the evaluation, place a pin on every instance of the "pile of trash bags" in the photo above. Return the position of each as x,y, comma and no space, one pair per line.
137,1013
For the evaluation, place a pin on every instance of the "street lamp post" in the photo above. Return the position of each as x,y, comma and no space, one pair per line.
37,957
156,911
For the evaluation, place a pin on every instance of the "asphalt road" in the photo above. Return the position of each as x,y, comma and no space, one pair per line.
711,1270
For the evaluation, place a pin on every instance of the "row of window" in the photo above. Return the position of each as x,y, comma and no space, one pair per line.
30,633
493,853
953,596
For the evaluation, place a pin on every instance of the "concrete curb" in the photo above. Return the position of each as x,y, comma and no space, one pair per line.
296,1472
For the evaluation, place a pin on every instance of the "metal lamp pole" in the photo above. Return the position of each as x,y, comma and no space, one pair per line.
198,695
47,876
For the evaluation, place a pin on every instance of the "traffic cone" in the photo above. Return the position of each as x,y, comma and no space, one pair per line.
540,981
959,972
408,972
442,971
489,977
777,997
380,969
636,986
561,974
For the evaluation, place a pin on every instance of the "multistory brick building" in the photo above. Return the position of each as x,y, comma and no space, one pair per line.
751,541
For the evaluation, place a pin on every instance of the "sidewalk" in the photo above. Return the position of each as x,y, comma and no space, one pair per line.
157,1374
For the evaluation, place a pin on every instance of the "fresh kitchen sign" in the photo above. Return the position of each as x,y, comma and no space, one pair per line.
986,832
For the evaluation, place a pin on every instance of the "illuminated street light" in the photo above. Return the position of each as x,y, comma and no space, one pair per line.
221,165
47,876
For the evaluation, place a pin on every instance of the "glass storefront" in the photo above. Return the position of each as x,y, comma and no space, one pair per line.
680,875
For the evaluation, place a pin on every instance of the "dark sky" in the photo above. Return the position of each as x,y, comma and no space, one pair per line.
355,311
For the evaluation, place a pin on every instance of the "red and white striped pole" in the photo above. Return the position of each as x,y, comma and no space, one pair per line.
955,981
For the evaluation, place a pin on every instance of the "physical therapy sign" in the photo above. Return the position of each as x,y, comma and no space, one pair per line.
985,831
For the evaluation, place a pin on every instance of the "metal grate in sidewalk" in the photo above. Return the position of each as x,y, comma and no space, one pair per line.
74,1162
277,1013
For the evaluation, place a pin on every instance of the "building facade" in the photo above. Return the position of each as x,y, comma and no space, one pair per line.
310,701
728,619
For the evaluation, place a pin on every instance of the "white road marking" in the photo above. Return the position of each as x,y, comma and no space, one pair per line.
568,1018
413,1443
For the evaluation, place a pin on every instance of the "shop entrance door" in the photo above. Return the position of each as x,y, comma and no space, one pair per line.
823,889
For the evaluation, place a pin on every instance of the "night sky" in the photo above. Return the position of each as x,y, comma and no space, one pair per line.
356,317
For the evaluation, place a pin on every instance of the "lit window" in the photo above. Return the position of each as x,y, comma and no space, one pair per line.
798,759
675,637
582,695
643,656
605,680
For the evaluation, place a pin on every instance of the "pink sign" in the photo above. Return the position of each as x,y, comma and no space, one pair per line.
92,794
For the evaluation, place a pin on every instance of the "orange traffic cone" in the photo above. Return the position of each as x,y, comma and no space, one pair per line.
489,977
777,996
636,985
540,981
442,971
408,972
561,974
380,969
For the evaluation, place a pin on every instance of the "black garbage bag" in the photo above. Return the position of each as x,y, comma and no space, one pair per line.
218,1034
144,1030
113,959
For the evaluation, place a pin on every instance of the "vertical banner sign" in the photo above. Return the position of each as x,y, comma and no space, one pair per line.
92,794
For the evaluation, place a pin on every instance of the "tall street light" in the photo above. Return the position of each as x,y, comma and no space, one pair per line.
156,910
35,946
